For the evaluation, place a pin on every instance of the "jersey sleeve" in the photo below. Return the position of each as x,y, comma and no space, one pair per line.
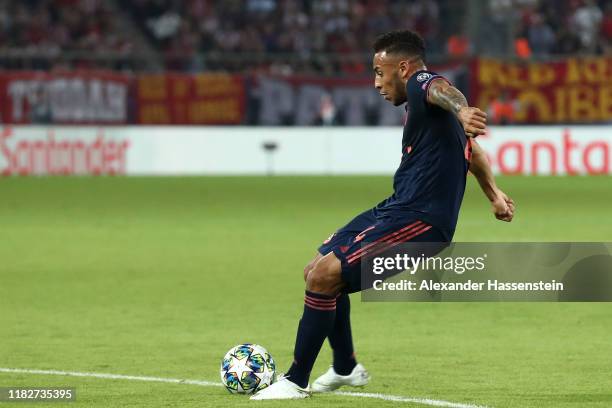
419,87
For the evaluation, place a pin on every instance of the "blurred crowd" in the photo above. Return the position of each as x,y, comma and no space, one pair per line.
560,27
60,31
305,36
327,36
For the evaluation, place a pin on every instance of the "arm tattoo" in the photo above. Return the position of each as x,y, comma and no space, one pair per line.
447,97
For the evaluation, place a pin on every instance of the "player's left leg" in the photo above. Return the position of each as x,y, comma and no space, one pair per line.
341,337
323,284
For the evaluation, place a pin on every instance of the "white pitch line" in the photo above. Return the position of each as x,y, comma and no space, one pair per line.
395,398
111,376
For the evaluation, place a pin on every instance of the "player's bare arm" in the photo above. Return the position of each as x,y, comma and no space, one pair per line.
446,96
503,206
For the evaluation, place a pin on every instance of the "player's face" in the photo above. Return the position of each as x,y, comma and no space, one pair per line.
388,73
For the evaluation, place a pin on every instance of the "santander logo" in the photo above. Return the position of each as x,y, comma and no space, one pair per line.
538,150
94,155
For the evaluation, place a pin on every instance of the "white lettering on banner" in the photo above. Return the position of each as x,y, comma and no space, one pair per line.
22,92
297,101
71,99
353,103
280,100
276,101
360,104
308,104
94,156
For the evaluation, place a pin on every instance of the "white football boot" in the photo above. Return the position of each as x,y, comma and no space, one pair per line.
282,389
330,381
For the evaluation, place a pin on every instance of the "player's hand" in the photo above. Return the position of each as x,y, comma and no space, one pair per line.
503,207
474,121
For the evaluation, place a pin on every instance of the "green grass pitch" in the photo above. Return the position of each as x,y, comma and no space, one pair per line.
160,276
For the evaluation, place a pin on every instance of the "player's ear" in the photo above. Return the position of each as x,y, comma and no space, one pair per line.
403,69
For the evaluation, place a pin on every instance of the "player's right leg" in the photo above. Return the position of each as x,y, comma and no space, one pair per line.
323,285
311,265
344,370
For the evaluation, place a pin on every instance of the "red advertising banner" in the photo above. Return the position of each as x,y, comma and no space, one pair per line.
190,99
70,98
568,91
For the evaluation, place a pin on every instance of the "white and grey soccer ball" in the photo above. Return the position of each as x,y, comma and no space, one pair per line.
247,368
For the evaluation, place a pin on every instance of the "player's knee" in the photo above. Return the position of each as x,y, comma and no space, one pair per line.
311,265
323,278
307,270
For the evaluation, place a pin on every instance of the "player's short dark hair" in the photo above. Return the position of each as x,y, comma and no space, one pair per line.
401,42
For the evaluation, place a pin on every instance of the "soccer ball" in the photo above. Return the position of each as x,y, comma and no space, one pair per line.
247,368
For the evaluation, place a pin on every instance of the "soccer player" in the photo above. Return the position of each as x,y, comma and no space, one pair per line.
437,150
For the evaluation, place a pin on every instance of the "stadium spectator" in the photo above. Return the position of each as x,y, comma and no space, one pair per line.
587,20
606,30
327,115
458,46
522,48
502,109
541,37
567,42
